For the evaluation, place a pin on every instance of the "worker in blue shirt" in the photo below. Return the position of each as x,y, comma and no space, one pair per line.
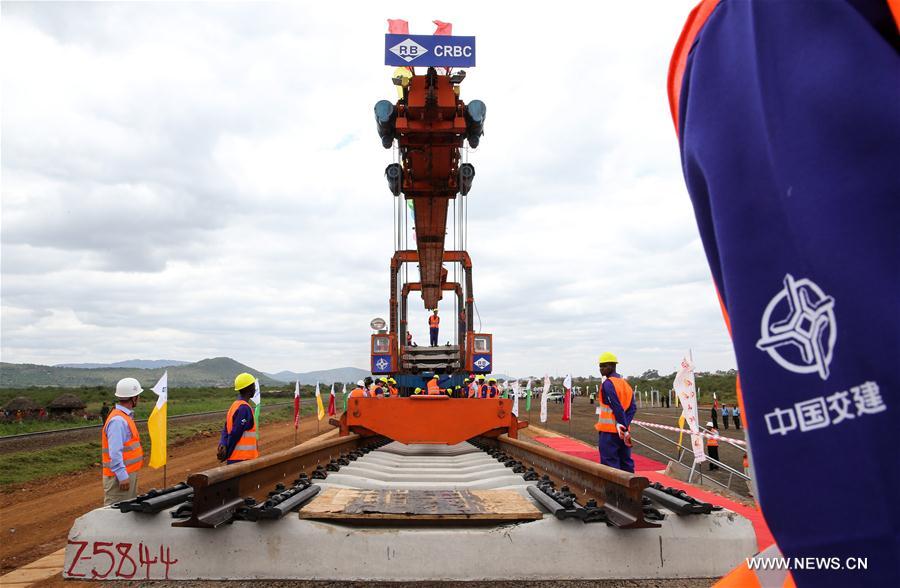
238,441
122,454
617,408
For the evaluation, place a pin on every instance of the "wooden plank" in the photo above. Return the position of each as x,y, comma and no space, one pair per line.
421,505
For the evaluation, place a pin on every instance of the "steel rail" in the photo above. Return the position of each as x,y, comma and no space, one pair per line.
86,427
221,491
619,493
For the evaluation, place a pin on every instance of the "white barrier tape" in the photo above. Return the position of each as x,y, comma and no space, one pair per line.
688,431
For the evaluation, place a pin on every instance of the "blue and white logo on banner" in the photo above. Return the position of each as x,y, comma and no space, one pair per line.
482,363
429,50
381,364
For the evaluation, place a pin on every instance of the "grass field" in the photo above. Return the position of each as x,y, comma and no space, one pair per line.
27,466
181,401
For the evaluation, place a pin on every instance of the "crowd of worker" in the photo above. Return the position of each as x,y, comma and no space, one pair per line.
474,386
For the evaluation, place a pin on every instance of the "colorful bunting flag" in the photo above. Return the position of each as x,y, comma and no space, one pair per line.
567,398
156,424
320,408
331,408
297,405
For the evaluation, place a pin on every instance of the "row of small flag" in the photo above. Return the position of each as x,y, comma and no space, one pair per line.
156,423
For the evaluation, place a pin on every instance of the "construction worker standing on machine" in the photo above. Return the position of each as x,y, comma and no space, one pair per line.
433,388
238,440
122,454
360,390
617,409
493,389
378,389
434,322
482,387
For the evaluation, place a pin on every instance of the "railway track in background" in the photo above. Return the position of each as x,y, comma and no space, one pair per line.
55,437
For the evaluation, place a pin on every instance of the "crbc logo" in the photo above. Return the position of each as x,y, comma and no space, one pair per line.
407,50
453,51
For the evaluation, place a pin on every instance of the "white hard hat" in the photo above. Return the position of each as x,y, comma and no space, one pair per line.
709,424
360,383
128,388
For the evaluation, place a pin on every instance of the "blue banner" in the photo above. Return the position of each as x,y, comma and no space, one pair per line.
381,364
481,363
429,50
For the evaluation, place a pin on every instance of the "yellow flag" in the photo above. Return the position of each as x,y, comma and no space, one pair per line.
156,424
680,426
320,407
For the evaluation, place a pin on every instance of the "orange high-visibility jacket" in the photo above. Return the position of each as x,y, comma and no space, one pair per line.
434,321
246,447
433,387
132,452
712,441
359,393
606,423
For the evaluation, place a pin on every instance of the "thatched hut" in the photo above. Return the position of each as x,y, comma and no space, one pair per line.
23,405
67,404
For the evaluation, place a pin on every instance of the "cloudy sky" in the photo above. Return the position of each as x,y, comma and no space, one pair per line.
195,180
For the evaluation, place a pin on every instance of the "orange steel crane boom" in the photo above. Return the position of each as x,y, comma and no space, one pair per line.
430,125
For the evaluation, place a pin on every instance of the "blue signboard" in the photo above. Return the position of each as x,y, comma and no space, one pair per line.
481,363
429,50
381,364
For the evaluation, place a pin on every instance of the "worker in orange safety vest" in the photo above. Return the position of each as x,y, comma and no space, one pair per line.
616,411
481,387
239,441
434,322
493,388
433,388
120,442
360,390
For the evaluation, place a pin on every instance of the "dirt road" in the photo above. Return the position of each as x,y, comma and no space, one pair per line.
35,518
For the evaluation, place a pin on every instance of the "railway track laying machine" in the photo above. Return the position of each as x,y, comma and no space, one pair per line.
416,487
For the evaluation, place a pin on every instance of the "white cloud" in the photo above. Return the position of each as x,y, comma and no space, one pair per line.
191,180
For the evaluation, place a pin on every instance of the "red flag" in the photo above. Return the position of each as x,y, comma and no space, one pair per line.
443,28
297,406
567,399
331,409
398,26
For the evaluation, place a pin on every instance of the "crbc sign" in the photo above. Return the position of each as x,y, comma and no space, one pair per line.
429,50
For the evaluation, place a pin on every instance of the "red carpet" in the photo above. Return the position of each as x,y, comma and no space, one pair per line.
585,451
648,468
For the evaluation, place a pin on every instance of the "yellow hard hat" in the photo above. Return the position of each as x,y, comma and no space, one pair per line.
607,357
418,391
243,380
392,380
435,377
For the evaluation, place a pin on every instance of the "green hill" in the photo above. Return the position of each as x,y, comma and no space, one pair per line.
218,371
